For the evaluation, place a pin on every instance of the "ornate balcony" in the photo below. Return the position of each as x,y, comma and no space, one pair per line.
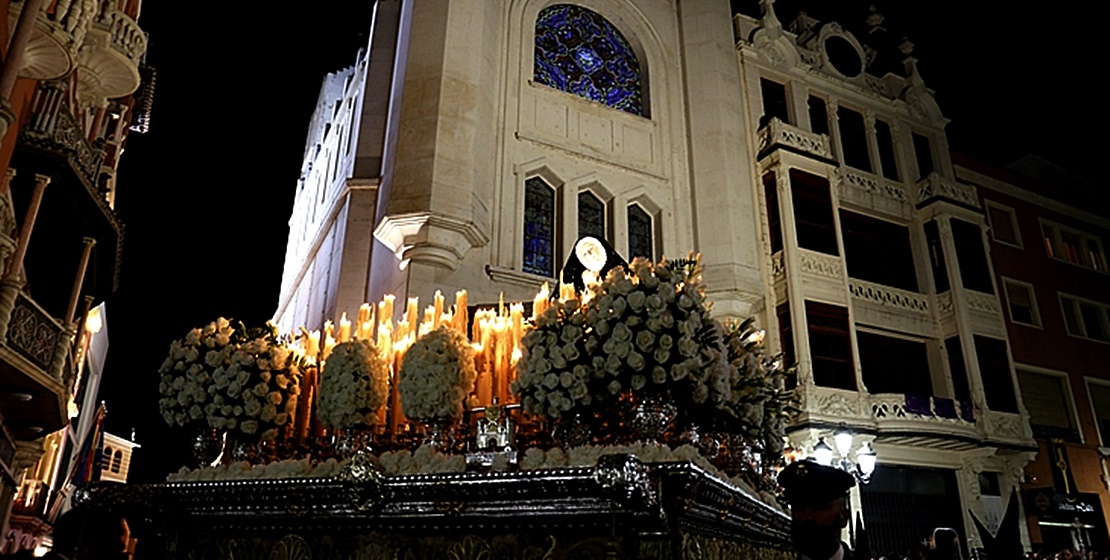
108,62
937,187
53,130
777,134
924,420
867,190
59,30
33,356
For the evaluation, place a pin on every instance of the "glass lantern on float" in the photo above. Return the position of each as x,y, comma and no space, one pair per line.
866,459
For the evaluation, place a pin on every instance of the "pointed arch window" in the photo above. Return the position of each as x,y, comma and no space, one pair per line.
580,52
641,242
539,227
591,215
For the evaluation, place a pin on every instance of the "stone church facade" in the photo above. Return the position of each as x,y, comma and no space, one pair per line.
473,142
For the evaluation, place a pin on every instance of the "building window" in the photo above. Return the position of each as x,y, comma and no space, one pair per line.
813,213
974,270
1085,319
1100,401
1003,224
580,52
591,215
774,223
539,228
885,140
830,346
786,334
1022,302
936,257
894,365
961,388
1048,401
1066,244
994,370
878,251
818,115
853,139
106,459
923,151
641,242
117,460
774,102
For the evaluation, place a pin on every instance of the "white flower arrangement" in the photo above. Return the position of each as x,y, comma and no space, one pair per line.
554,372
650,333
437,374
759,405
354,384
187,372
255,394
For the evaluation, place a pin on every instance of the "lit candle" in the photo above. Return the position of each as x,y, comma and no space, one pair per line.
364,313
437,301
344,328
539,304
329,330
413,312
462,313
516,322
313,345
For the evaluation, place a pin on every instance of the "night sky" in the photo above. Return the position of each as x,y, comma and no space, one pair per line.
206,194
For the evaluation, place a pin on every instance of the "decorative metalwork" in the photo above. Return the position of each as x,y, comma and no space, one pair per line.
33,333
580,52
364,481
53,128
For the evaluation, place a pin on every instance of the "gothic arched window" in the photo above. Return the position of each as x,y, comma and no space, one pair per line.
591,215
539,227
580,52
641,240
117,460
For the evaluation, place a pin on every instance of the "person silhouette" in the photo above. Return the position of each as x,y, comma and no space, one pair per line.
818,498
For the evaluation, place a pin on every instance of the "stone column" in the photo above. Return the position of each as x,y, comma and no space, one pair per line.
832,107
14,61
12,281
872,143
65,341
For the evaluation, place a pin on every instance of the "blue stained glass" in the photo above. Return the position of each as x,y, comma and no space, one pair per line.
580,52
591,215
539,228
587,59
640,242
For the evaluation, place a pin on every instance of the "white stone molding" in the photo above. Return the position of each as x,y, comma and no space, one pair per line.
778,133
886,296
429,237
778,266
938,186
983,303
1008,427
821,265
945,306
834,402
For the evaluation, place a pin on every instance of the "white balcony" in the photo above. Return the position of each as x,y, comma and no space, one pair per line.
108,62
779,134
52,47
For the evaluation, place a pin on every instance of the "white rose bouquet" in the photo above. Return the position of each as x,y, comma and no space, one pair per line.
554,372
187,372
353,385
437,374
760,405
650,332
255,394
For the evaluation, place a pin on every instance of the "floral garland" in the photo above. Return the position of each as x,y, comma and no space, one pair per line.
437,374
256,393
554,372
353,385
187,372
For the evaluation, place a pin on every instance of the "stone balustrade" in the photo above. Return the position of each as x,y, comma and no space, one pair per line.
936,186
126,36
777,133
902,300
53,128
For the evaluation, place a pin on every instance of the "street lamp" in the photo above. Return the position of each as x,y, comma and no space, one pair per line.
866,459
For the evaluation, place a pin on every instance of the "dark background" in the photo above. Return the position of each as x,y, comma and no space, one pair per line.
206,194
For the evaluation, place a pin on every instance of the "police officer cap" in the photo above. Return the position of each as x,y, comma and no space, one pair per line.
807,482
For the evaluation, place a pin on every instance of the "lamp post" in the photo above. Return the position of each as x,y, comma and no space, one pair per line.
840,457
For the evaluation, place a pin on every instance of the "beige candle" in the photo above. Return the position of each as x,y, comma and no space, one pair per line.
313,345
412,315
539,304
462,314
344,328
437,304
516,322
